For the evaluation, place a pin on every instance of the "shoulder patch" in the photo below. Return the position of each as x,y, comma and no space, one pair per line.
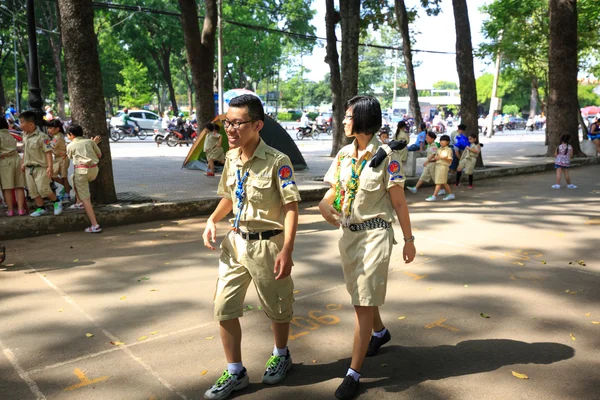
394,168
285,172
46,142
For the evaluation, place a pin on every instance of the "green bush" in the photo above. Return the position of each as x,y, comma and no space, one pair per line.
511,109
284,117
313,115
294,116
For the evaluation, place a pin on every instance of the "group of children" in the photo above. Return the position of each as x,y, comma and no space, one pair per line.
46,158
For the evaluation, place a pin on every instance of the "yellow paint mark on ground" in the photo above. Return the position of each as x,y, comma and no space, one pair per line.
84,380
440,323
415,276
593,222
534,279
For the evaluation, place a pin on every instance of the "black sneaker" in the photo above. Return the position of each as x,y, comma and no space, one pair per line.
376,343
348,389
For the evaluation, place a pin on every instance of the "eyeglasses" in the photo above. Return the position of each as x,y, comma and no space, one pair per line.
235,125
348,117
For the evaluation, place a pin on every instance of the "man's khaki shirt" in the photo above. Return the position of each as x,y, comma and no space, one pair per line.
8,144
59,146
372,198
83,152
270,185
36,145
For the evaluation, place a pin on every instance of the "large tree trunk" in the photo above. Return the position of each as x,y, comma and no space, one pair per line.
582,125
332,17
85,86
533,100
563,104
201,54
402,17
50,19
464,67
168,77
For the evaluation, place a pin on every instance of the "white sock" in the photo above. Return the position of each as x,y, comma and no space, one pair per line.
353,373
280,352
235,368
380,333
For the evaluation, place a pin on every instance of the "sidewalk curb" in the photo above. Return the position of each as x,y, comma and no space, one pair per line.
125,214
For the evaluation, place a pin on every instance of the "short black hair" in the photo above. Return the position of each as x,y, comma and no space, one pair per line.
462,127
366,114
28,116
3,123
432,135
401,124
75,130
56,123
423,126
445,137
210,126
252,103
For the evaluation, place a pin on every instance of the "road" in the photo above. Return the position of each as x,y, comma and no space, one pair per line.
509,249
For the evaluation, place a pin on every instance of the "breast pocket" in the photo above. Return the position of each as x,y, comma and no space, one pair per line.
230,181
260,189
371,186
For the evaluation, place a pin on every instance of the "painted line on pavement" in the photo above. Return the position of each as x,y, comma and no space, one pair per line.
24,375
106,333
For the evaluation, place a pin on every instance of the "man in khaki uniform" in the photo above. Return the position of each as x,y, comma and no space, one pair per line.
85,155
11,176
258,186
37,164
212,147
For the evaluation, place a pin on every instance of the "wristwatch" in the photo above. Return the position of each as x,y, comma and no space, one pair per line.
410,239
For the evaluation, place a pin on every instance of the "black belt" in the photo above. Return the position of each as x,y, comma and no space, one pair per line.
266,235
373,223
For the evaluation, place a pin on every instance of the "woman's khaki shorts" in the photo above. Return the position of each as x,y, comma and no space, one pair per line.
365,259
61,167
467,165
81,181
11,176
243,262
441,174
38,183
428,173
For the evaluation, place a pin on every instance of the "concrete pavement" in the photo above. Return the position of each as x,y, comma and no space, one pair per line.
512,249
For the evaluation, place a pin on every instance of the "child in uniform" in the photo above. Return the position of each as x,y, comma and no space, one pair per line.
85,155
401,134
428,174
384,137
562,163
37,164
443,159
61,161
212,148
11,176
468,160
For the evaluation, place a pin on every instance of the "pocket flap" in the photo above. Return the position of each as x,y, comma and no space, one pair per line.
260,183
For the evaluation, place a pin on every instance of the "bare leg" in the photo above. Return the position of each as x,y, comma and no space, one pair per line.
558,172
211,166
89,210
231,337
377,322
52,196
281,332
362,335
65,183
437,189
419,184
8,197
597,143
20,198
567,176
39,201
447,187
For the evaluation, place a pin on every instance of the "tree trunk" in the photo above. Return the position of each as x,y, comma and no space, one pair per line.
2,94
85,86
166,68
350,14
60,93
563,105
533,100
332,58
583,126
201,54
464,67
402,17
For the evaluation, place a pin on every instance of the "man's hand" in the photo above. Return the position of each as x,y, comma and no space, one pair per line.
97,139
425,163
329,213
22,167
283,264
409,252
49,172
210,234
436,158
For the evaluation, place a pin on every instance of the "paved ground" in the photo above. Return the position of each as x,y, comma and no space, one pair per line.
509,249
143,170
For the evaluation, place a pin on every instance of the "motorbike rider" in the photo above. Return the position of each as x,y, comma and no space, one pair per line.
128,122
304,121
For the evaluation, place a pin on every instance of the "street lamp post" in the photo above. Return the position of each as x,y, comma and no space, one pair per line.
35,92
17,100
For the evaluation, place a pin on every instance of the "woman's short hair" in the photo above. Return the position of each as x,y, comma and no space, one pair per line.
211,127
432,135
56,123
366,114
3,123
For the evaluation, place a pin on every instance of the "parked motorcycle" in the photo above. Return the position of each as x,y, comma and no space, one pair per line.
306,132
175,137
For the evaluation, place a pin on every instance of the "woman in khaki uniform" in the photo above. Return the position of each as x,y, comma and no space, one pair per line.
11,175
401,134
366,191
212,147
61,161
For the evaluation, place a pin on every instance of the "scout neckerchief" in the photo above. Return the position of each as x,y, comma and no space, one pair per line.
344,198
240,194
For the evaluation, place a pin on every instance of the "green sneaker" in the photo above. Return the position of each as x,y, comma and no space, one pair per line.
227,384
276,369
39,212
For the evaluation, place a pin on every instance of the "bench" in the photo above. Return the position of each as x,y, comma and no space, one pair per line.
410,169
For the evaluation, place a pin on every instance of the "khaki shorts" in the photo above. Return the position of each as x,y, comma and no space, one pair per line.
61,167
243,262
11,176
38,183
441,174
467,165
428,173
365,259
81,181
